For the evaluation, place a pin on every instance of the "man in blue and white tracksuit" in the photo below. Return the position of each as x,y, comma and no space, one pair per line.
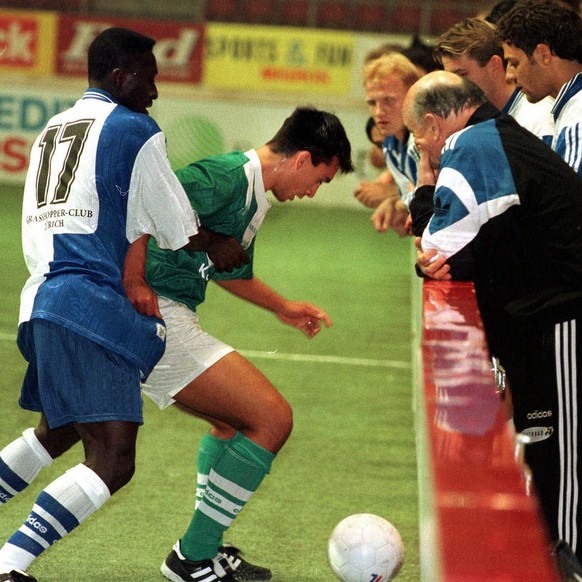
494,216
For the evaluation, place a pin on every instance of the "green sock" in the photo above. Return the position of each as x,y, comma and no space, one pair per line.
235,476
209,450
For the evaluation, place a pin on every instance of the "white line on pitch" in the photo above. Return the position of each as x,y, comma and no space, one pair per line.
327,359
275,355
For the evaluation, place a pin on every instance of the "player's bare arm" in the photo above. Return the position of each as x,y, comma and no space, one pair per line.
304,316
141,296
373,193
224,251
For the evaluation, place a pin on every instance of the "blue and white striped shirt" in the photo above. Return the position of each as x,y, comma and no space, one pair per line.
98,179
401,159
567,111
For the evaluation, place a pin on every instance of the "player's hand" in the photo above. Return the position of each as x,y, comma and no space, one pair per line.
401,222
142,297
304,316
225,252
426,175
372,194
382,216
431,263
391,214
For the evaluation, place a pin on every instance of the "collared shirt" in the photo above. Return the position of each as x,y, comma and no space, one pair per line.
567,111
536,117
228,193
401,159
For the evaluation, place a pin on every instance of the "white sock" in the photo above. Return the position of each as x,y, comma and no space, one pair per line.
20,463
60,508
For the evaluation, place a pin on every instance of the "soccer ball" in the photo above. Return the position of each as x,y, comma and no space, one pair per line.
365,548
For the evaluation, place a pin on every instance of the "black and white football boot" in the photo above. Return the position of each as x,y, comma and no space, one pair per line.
178,568
17,576
244,571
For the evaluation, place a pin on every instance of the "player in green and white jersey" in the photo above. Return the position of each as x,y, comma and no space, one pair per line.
250,419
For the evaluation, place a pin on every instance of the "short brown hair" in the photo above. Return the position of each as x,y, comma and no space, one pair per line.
533,22
473,37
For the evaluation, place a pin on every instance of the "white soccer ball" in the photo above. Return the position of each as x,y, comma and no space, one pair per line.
365,548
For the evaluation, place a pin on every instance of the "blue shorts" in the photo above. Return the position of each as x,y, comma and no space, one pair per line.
74,380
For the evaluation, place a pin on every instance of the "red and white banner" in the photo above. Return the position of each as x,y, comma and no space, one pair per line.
27,42
178,49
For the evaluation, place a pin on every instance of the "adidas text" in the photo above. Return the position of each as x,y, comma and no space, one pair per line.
35,524
539,414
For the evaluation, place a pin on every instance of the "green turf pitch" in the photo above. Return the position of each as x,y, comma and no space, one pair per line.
352,449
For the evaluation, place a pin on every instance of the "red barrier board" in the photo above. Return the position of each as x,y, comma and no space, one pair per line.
178,49
489,529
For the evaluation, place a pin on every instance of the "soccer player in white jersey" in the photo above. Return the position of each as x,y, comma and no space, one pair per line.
472,49
250,419
98,181
542,43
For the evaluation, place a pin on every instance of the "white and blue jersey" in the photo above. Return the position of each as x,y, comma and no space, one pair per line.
507,214
401,159
536,117
567,111
498,222
98,179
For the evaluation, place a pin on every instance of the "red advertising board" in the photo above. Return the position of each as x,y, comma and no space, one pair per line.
26,42
19,39
178,48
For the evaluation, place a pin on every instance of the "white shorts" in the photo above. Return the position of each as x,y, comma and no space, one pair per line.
189,352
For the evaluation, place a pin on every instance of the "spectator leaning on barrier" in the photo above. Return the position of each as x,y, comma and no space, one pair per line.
495,216
542,43
386,81
371,193
385,191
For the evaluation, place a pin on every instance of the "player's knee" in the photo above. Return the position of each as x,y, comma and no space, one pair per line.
115,465
120,474
58,441
281,424
126,474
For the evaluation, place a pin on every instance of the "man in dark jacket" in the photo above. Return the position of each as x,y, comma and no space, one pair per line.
496,206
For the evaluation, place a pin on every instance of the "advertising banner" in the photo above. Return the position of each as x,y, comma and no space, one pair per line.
27,42
178,49
23,113
199,127
268,58
195,127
